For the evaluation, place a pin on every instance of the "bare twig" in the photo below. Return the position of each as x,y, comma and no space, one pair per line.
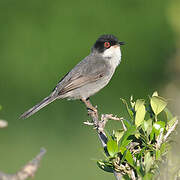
160,139
110,116
99,125
117,175
89,123
133,175
27,171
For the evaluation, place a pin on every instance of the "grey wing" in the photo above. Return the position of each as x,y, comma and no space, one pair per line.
87,71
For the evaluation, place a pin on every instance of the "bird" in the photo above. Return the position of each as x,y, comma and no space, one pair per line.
88,77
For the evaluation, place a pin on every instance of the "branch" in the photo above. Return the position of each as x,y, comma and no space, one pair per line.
110,116
162,139
117,175
99,125
159,139
28,170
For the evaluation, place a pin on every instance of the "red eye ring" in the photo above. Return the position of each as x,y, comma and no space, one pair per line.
107,45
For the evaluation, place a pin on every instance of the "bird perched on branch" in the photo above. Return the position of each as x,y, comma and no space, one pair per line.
88,77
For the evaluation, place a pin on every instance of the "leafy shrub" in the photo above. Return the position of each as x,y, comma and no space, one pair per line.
138,149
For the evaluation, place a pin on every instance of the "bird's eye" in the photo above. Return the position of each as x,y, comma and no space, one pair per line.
107,45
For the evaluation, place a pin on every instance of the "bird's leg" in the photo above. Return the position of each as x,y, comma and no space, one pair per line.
89,105
92,111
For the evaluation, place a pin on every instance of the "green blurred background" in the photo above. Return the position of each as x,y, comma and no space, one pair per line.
41,40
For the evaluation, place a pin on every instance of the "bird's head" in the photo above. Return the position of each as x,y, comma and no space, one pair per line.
106,42
108,46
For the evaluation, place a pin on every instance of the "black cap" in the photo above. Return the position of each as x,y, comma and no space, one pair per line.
109,39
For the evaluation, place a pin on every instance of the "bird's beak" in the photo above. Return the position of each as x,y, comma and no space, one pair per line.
121,43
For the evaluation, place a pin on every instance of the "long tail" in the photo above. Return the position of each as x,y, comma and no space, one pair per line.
37,107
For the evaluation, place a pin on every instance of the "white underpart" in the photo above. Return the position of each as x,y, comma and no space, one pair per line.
113,55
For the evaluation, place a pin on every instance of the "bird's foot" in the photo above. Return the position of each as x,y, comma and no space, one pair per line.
89,106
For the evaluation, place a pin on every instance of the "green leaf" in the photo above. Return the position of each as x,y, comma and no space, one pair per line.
158,104
168,114
158,127
171,122
148,161
127,123
148,176
124,140
152,134
106,166
122,150
118,134
163,148
112,147
139,103
131,114
126,177
141,153
124,156
0,107
140,112
129,158
158,154
140,171
137,135
147,126
155,93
